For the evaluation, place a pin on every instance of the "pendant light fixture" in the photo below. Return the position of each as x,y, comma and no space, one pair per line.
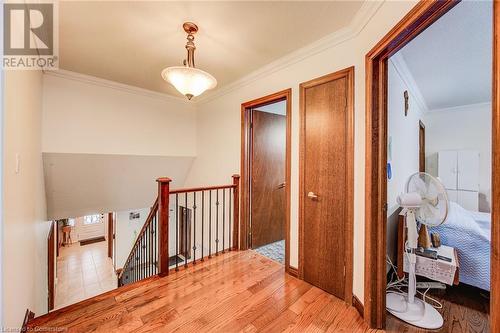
187,79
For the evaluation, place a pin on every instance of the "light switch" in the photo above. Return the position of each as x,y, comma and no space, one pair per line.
18,162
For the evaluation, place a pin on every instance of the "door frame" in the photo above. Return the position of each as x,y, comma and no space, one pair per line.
110,235
421,149
419,18
284,95
349,203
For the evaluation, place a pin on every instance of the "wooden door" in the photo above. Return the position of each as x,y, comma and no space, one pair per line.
326,165
421,147
268,178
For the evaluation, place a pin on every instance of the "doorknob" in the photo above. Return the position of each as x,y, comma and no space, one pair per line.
282,185
312,195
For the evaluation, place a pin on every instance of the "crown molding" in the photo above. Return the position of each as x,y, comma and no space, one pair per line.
405,74
467,107
360,20
92,80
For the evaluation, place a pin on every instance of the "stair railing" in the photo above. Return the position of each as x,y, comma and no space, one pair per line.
183,227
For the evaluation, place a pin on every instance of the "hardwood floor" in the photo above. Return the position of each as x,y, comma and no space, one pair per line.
233,292
465,309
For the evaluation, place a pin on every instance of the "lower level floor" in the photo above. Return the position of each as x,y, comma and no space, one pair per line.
83,271
233,292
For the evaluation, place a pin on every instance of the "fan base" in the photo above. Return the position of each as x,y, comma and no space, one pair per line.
418,314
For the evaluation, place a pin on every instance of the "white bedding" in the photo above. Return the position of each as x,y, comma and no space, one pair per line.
470,233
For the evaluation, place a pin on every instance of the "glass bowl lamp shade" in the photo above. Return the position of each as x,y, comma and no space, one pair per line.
189,81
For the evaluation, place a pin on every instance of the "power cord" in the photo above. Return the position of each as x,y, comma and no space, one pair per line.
396,284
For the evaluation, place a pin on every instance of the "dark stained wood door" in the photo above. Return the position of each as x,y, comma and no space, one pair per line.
421,146
268,178
325,184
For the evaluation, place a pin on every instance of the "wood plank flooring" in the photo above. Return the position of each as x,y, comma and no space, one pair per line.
464,310
233,292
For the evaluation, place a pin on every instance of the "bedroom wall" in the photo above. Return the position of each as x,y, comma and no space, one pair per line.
461,128
403,133
25,228
219,151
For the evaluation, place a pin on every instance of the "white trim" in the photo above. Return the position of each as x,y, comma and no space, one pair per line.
466,107
404,72
92,80
360,20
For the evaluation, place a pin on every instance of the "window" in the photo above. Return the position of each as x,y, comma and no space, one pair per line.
91,219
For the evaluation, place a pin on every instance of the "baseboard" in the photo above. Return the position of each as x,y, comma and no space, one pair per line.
293,271
358,305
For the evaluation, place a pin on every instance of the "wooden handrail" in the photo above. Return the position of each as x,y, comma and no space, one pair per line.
206,188
152,212
160,211
28,316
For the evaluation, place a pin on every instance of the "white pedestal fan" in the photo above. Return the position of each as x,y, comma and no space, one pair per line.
425,201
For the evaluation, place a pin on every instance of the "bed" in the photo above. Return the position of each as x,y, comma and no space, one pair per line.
470,234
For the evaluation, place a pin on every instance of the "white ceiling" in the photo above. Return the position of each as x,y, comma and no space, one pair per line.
451,60
131,42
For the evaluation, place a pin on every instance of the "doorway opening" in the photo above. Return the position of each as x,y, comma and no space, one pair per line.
265,179
379,152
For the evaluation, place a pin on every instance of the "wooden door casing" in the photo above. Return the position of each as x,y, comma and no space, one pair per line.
326,170
284,95
268,150
421,146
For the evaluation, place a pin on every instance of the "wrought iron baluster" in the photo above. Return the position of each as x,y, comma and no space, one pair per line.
156,242
154,245
176,232
202,222
210,224
230,219
141,256
223,219
194,228
148,267
185,221
217,223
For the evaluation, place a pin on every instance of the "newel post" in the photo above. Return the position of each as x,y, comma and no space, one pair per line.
236,211
163,196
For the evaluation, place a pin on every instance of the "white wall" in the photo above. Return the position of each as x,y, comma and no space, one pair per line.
403,132
119,139
126,233
106,182
83,115
219,151
25,226
462,128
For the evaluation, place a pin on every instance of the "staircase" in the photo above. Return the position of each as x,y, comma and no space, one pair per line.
184,226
